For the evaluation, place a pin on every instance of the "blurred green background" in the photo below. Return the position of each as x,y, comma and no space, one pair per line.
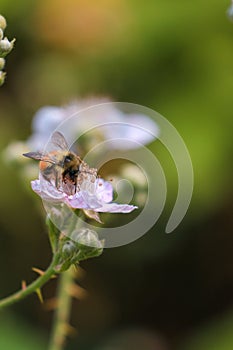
163,291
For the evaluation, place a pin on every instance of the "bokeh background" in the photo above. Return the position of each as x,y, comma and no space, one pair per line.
161,292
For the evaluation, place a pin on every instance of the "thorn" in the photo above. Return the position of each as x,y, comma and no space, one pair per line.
51,304
23,285
39,271
40,296
76,291
68,330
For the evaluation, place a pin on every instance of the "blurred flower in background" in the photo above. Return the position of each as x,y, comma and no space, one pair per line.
116,124
107,124
230,11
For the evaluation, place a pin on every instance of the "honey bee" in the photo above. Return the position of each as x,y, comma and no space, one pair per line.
61,167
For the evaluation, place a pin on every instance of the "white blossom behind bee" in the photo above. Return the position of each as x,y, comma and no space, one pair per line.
114,124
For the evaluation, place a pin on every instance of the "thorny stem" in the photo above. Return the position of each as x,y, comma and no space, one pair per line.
33,287
62,313
64,304
61,326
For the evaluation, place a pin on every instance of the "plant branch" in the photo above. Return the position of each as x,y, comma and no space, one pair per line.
63,310
33,287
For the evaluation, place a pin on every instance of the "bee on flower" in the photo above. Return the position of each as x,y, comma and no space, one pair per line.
66,178
63,168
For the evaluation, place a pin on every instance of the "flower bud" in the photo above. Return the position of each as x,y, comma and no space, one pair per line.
1,34
86,237
2,77
2,63
6,46
88,243
2,22
68,249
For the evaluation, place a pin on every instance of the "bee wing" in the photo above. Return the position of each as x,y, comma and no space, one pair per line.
34,155
39,156
58,141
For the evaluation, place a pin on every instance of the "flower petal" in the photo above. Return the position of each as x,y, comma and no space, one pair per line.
48,192
116,208
83,200
133,131
104,190
49,116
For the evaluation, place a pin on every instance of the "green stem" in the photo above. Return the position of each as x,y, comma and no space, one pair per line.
33,287
63,310
64,299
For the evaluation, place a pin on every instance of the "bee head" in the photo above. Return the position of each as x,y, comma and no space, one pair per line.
70,160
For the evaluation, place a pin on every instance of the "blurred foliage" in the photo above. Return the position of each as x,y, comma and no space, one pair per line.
18,335
217,335
172,56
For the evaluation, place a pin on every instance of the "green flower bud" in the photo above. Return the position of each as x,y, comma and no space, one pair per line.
2,63
88,243
2,77
2,22
67,252
6,46
85,237
68,249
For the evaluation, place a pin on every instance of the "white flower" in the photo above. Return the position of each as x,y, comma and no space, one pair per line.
106,121
97,198
6,46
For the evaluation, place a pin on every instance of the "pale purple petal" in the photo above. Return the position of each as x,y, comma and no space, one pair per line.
48,192
104,190
83,200
116,208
